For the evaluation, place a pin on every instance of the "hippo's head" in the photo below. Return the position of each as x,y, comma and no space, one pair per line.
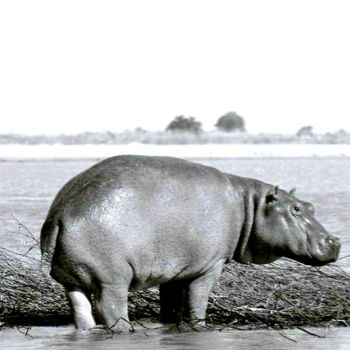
284,226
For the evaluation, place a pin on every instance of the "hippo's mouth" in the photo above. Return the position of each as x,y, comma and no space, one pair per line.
309,256
321,253
308,245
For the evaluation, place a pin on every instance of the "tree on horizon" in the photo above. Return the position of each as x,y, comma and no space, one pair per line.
231,121
184,124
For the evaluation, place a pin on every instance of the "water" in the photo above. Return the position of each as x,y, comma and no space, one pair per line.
65,338
27,189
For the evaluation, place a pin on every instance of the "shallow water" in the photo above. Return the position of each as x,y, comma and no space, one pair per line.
27,189
66,338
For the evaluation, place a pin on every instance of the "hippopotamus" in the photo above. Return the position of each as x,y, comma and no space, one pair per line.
134,222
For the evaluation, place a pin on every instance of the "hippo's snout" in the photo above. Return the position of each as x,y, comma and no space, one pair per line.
330,248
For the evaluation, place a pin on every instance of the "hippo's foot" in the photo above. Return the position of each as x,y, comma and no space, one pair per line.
186,326
121,326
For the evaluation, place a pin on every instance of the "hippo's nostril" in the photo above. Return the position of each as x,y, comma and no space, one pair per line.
332,240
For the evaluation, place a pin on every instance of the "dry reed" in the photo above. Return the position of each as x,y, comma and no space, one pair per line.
282,294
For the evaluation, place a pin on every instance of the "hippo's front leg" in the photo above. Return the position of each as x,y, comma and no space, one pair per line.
198,293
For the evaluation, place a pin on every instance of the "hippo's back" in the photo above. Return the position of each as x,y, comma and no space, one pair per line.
127,179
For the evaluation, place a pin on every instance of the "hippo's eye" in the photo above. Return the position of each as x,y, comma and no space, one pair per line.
296,210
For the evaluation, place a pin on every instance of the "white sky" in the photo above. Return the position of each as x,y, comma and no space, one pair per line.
71,66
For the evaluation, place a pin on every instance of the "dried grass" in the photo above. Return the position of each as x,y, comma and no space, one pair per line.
281,294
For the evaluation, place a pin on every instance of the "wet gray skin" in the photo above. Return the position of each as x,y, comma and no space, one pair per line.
133,222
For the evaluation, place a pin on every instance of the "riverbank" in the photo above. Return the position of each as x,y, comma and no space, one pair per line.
92,151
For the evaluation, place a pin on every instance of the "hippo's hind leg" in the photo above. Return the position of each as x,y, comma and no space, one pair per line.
172,297
82,310
78,297
111,303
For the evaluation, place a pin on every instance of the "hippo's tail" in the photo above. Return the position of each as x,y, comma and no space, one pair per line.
48,238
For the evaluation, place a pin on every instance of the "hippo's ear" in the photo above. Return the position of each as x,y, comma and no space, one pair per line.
292,191
272,196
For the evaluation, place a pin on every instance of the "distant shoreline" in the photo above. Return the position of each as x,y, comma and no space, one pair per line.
58,151
174,138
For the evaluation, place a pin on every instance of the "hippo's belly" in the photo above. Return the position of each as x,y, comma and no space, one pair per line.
161,237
